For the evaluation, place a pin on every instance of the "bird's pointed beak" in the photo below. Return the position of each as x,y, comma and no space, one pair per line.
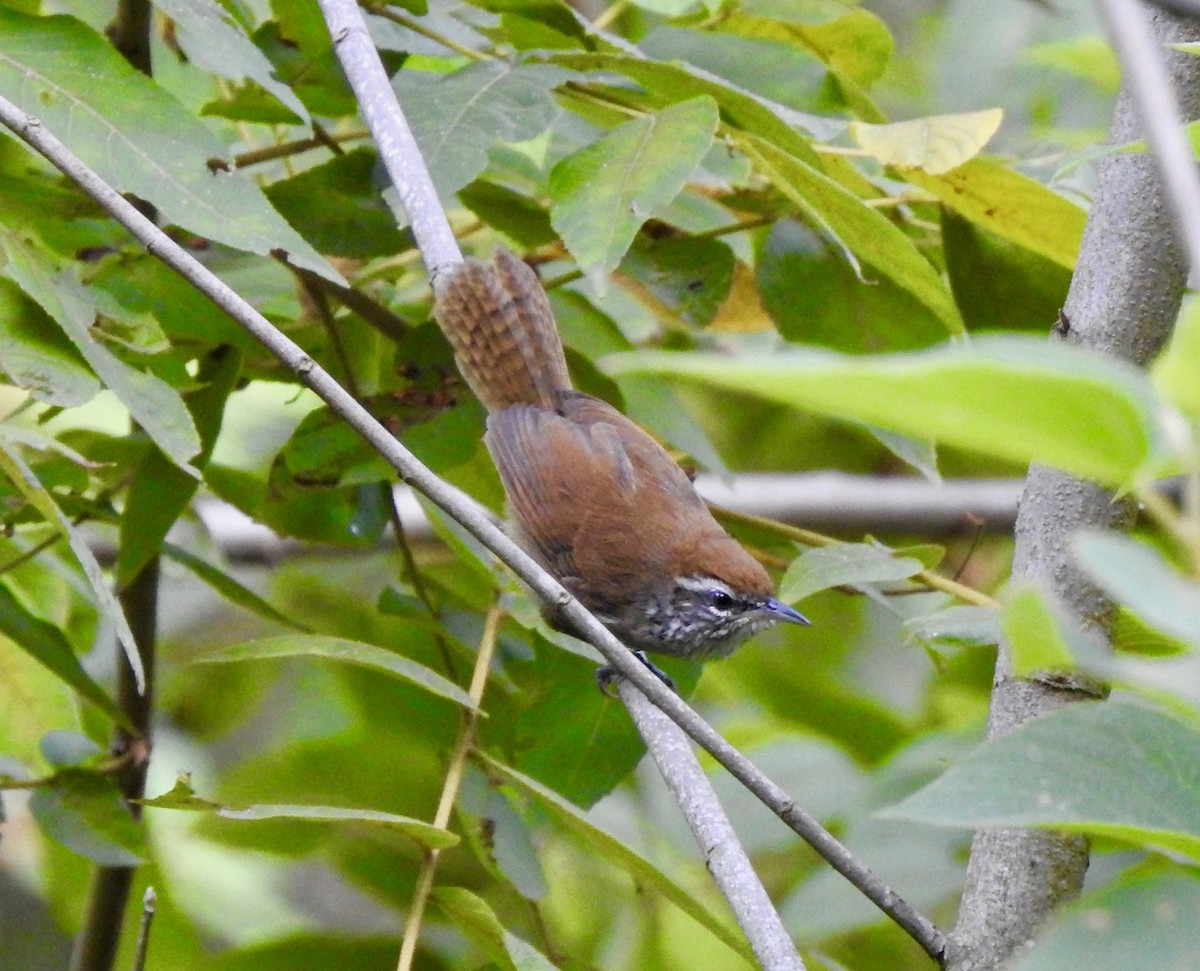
781,611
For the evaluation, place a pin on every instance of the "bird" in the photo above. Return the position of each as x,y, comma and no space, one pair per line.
593,498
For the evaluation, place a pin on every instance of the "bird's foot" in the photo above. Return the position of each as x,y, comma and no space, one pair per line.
607,676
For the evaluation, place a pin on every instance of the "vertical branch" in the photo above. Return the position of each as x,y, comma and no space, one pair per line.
1123,300
108,894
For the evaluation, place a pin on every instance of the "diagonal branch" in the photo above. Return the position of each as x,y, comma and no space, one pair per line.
465,511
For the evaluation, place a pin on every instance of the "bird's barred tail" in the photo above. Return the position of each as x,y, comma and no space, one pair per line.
498,320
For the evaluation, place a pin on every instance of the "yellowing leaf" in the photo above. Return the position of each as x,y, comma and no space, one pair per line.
935,144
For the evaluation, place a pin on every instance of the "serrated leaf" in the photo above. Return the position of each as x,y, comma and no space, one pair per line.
214,41
70,78
843,563
1011,205
1017,398
1138,577
1106,768
46,642
864,232
154,404
346,651
603,194
21,476
456,117
618,853
86,814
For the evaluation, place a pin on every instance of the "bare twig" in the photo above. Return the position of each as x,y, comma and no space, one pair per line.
149,903
450,787
477,522
724,854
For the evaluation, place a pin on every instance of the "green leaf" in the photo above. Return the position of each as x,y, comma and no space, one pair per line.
618,853
963,625
1011,205
1106,768
671,83
346,651
865,233
160,490
1137,576
352,220
482,927
153,403
86,814
456,117
997,284
229,588
935,144
182,797
605,192
843,563
1174,372
215,42
46,642
14,467
1015,398
1140,920
815,297
35,356
1034,639
70,78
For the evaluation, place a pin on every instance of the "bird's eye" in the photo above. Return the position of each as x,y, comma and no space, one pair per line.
720,599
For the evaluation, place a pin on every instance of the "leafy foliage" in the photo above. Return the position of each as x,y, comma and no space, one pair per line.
751,183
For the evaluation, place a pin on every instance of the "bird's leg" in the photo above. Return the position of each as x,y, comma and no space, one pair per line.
607,676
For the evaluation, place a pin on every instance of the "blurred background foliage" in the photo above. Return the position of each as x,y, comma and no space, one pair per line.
736,252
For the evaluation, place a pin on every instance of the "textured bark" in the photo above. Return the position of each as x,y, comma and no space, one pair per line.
1124,297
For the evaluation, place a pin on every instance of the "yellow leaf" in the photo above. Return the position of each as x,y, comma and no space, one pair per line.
936,144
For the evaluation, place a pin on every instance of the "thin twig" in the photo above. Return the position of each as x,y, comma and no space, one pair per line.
926,578
450,787
149,903
270,153
723,852
467,513
398,17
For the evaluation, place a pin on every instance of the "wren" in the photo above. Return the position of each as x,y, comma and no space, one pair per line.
593,498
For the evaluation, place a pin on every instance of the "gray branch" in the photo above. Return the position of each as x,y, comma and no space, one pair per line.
477,522
724,854
1123,300
394,139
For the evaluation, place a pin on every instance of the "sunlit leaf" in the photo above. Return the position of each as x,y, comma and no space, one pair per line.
935,144
843,563
1021,399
